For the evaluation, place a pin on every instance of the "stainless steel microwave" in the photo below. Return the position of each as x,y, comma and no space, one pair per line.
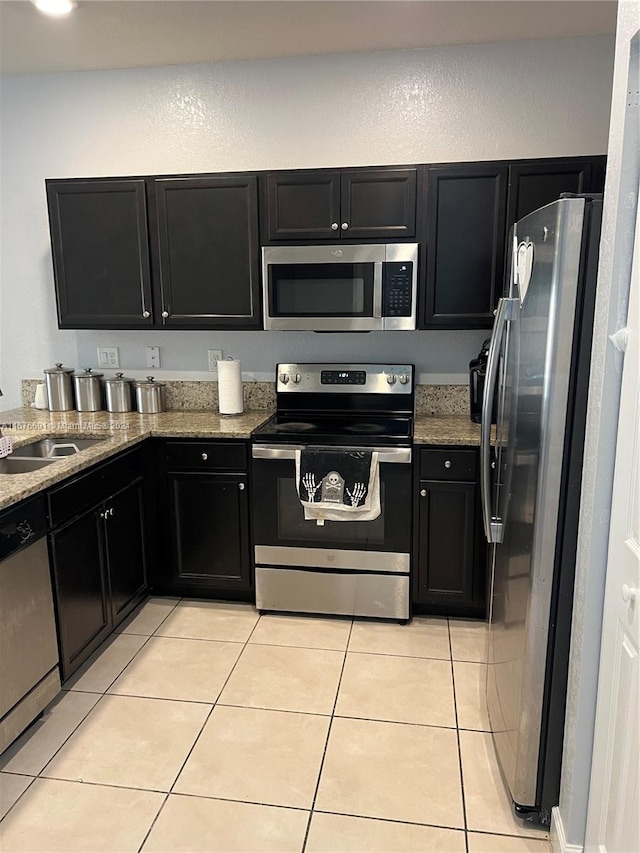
340,288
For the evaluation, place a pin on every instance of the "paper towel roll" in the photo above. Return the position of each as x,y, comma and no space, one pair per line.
230,400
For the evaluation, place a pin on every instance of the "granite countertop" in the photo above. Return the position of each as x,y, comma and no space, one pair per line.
26,425
446,429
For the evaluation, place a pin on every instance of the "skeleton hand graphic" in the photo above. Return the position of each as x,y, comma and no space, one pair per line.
309,482
358,493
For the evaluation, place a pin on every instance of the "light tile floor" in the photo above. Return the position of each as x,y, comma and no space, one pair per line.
201,726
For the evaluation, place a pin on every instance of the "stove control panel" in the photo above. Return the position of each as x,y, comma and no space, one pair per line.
345,378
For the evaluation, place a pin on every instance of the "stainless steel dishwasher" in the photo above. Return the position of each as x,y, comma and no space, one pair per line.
29,673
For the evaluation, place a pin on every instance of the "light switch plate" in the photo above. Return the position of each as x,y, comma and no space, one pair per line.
153,356
108,357
215,355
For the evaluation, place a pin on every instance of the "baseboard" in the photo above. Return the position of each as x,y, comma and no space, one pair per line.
559,843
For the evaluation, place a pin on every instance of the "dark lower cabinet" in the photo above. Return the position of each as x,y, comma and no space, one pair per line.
449,551
98,556
210,534
125,548
205,514
81,589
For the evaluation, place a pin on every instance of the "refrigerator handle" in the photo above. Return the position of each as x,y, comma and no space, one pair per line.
493,527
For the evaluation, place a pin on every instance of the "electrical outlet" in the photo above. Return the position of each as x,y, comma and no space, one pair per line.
108,357
215,355
153,356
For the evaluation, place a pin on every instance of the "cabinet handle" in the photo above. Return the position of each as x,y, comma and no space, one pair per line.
334,226
241,486
204,456
146,315
447,464
104,514
165,314
344,226
110,511
423,493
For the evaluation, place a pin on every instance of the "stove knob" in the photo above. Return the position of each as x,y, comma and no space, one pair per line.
296,378
284,378
391,379
404,378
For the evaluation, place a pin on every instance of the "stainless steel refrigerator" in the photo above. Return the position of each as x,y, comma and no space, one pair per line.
538,366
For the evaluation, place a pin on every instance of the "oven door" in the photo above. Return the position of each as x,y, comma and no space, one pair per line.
283,537
323,288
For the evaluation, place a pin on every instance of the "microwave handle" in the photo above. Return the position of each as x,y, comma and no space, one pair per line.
377,289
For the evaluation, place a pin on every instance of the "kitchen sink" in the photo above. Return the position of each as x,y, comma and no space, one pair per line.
15,465
55,448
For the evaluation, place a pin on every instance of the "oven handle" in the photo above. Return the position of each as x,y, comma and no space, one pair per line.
385,454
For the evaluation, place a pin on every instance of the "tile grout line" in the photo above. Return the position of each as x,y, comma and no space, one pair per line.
104,693
193,745
33,779
326,743
455,706
81,721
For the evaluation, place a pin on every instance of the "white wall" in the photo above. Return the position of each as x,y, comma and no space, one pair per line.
511,100
614,275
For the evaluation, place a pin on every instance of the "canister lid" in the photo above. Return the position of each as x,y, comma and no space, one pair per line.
149,382
87,373
59,369
118,378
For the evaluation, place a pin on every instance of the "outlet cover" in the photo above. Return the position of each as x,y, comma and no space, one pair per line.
108,357
153,356
215,355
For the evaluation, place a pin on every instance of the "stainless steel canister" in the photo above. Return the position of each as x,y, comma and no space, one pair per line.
59,388
119,393
88,387
151,396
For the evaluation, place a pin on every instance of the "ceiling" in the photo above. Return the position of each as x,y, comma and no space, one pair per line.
108,34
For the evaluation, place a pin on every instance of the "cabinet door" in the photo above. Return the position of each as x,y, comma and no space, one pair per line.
466,208
82,603
446,543
533,185
124,528
209,252
303,205
378,204
100,249
210,531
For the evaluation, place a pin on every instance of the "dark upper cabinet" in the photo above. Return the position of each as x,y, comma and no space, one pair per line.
208,249
355,204
466,209
100,248
125,548
303,205
535,184
378,203
81,589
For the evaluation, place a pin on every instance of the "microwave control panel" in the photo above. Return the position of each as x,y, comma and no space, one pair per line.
396,289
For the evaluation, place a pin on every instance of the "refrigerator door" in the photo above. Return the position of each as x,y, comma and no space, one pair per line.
535,377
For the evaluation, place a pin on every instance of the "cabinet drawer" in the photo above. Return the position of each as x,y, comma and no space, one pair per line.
448,464
87,490
204,455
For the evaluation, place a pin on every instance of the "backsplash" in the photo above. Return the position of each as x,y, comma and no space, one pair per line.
203,396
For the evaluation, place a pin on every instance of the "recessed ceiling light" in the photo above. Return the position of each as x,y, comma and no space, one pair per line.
55,7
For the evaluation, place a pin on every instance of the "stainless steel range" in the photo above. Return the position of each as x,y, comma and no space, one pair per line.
346,567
